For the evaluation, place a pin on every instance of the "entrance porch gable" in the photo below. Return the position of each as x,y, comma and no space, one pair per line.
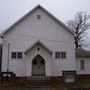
38,55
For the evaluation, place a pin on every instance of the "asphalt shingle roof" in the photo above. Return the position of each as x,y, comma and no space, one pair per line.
80,52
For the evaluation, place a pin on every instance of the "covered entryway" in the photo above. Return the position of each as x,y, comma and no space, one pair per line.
38,66
38,60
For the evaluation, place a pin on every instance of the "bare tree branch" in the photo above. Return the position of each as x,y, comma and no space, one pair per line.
79,25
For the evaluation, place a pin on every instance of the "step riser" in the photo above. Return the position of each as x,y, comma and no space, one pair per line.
40,81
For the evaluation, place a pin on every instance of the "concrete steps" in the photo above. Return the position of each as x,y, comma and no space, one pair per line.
38,81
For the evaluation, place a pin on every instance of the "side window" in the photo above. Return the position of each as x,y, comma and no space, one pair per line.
19,55
16,55
57,55
61,54
82,64
13,55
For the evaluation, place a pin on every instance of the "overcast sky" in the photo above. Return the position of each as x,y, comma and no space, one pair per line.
64,10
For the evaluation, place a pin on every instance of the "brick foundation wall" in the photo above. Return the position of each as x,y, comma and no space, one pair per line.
82,76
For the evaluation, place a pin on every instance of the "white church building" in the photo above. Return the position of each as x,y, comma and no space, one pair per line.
40,45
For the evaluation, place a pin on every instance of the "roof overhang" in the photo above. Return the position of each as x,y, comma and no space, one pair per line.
80,52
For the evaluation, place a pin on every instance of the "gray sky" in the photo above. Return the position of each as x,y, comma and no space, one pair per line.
64,10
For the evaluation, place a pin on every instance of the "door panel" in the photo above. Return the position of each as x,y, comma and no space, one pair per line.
38,66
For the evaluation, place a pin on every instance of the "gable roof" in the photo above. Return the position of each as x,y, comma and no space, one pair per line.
82,53
41,43
38,6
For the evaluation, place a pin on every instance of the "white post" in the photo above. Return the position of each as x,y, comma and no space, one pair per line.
8,58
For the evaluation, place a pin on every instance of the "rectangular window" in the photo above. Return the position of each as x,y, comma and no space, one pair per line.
16,55
19,55
82,64
63,54
13,55
38,16
57,55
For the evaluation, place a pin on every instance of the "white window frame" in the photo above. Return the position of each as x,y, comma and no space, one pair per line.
60,55
82,64
17,54
57,55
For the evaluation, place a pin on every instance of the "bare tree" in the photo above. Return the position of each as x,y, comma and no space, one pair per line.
79,25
